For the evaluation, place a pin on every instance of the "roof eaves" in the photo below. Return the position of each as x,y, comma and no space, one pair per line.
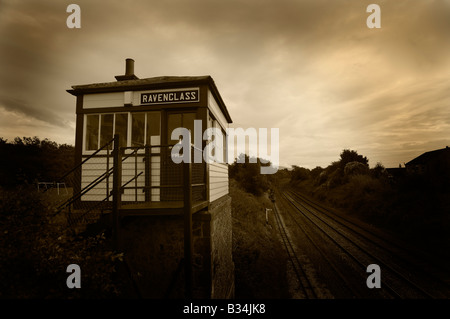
136,84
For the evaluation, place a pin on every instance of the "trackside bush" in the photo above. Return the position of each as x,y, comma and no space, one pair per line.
36,248
247,172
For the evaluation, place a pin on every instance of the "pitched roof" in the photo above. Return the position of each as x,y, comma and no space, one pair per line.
427,156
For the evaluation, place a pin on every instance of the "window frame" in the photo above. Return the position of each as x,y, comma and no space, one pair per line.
102,152
129,129
214,123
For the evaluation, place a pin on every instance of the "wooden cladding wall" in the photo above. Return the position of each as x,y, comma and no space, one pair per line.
218,181
96,166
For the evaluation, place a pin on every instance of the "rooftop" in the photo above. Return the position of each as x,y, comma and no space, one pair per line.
425,157
137,83
130,82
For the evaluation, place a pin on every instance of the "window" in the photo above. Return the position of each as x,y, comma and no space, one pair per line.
173,121
106,128
176,120
100,129
121,128
220,148
225,147
153,128
145,128
91,132
220,144
137,129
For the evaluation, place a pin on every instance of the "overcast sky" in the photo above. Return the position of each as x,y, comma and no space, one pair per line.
311,68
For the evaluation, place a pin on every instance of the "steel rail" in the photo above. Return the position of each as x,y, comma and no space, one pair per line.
413,255
302,277
324,256
409,260
358,246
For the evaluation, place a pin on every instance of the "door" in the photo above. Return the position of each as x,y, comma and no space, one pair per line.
172,173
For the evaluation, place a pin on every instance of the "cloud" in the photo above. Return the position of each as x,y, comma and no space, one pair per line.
311,68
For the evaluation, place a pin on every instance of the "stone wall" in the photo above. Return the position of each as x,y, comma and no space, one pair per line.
222,285
153,247
154,250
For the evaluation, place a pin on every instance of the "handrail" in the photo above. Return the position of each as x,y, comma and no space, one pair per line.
90,186
148,146
98,204
109,172
82,192
74,221
85,160
148,186
132,179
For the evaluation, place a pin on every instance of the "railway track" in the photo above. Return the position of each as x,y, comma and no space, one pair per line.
405,253
304,283
347,248
285,238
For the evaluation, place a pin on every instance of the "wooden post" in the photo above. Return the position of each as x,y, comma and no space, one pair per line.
116,191
188,242
148,169
135,175
107,170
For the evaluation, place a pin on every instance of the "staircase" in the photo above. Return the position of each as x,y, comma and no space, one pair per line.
80,212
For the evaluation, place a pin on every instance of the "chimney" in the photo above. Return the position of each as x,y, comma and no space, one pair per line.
129,67
129,71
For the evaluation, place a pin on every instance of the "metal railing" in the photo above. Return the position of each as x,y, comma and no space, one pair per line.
156,177
75,179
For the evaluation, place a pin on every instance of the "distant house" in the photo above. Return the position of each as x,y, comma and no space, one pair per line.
432,163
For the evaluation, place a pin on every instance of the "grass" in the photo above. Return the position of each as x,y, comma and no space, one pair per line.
259,257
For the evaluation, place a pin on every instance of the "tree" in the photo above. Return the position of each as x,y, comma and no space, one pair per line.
379,171
28,159
348,156
299,173
248,173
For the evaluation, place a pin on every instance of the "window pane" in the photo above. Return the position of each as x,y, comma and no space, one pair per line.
153,128
121,128
91,132
137,129
185,120
106,128
188,122
210,122
173,121
213,152
225,147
